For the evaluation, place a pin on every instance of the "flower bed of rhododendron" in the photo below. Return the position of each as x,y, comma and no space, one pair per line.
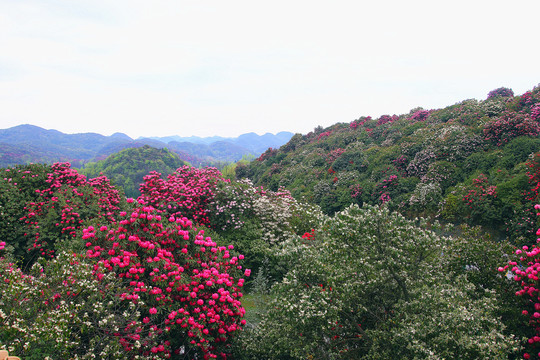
172,291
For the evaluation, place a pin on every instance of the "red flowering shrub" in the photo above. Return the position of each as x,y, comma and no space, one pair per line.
534,178
267,154
356,190
187,192
187,287
63,206
17,187
401,164
334,154
480,202
510,126
387,119
535,112
359,122
323,135
384,188
419,115
524,270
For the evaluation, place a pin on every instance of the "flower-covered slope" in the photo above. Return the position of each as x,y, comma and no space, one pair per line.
469,162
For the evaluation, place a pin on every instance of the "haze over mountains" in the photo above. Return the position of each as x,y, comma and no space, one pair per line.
32,144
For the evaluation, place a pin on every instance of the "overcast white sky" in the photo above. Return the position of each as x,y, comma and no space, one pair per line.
216,67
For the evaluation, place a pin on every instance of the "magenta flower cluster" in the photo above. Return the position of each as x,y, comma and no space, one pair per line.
190,286
510,126
525,270
384,119
68,194
188,192
359,122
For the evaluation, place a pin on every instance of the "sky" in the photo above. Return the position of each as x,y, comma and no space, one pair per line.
215,67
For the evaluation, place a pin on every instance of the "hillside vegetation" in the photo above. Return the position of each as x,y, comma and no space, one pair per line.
199,266
127,168
470,162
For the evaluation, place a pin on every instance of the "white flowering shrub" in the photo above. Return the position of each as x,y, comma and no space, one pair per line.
59,310
426,195
264,225
420,164
232,204
373,285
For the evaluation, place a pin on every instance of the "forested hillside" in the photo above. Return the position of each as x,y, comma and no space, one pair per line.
127,168
199,266
470,162
83,270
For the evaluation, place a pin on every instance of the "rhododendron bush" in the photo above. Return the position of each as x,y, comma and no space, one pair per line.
190,286
17,187
523,268
510,126
261,223
187,192
133,279
64,204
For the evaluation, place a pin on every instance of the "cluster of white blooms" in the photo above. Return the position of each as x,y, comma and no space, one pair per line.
445,132
425,193
59,305
493,107
346,177
232,203
420,164
370,284
274,213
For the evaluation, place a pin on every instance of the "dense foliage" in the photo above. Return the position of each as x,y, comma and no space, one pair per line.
372,285
127,168
342,267
159,287
467,162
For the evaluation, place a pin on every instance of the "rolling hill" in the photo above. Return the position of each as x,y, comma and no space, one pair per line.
471,162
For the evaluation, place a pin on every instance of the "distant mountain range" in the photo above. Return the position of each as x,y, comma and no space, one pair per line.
24,144
251,141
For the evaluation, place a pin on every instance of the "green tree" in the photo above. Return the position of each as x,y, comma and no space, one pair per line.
360,289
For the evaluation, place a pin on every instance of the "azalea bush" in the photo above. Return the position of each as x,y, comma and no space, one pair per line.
481,204
186,192
500,92
190,286
419,115
18,186
534,177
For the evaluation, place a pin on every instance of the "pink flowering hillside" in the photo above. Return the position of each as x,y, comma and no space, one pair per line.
421,163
